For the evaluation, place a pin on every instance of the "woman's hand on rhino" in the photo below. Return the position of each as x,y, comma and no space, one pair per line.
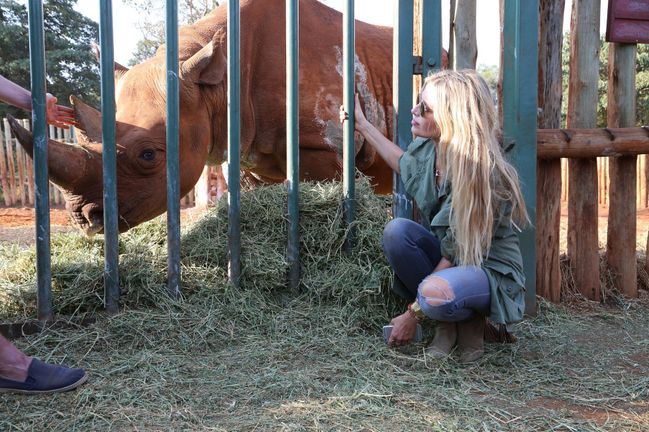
359,117
59,115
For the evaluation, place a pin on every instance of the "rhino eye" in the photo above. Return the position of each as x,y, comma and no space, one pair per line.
148,155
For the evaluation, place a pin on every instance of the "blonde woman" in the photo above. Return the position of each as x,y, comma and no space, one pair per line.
467,265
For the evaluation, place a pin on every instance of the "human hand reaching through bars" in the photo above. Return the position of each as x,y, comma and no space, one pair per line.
58,115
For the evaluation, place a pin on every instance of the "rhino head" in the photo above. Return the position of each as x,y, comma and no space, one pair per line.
141,141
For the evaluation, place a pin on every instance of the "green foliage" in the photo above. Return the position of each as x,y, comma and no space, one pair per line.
70,63
153,28
642,82
490,74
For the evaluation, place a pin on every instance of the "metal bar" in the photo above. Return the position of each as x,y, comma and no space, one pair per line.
39,120
234,137
173,152
520,81
293,141
431,36
349,75
109,159
402,97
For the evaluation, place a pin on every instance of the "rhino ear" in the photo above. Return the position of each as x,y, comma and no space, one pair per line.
207,66
89,121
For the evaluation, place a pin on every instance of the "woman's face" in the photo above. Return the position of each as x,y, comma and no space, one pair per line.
423,124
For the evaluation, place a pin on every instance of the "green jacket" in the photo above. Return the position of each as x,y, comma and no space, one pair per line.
503,265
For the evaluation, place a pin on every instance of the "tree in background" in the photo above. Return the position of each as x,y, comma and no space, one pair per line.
70,63
641,85
490,74
153,29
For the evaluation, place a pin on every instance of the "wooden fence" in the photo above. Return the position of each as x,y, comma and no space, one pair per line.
603,181
17,173
605,166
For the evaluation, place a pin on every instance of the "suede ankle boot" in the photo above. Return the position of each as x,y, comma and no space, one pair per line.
444,340
470,339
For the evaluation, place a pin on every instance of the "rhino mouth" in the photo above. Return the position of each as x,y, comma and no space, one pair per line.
89,220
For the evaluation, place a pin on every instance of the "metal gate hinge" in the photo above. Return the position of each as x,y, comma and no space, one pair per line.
417,65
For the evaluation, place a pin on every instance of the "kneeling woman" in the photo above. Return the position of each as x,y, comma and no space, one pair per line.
467,265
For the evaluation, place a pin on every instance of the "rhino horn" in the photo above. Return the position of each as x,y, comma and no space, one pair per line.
67,164
207,66
89,121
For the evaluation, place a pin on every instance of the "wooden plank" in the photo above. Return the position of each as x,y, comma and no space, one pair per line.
548,187
465,51
622,218
592,143
30,169
642,182
11,167
4,181
20,162
583,248
645,181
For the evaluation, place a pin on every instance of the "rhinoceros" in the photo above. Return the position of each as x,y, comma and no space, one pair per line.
140,97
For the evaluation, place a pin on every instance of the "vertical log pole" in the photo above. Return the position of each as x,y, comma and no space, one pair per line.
582,113
548,186
30,169
20,161
621,234
642,182
3,171
11,169
465,49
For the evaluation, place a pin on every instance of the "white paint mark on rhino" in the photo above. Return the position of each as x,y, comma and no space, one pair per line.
326,110
373,109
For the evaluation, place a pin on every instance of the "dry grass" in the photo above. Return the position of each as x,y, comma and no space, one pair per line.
263,358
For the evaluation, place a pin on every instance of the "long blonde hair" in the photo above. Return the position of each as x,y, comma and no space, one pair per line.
472,159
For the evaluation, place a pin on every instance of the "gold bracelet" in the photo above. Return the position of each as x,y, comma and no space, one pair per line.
416,311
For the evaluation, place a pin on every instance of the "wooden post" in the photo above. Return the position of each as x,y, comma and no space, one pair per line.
465,50
4,182
642,182
20,161
583,248
451,33
621,234
548,187
29,163
11,168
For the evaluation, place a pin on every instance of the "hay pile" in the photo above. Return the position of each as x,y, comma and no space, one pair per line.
357,282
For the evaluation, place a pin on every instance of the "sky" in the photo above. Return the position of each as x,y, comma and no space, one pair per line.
126,33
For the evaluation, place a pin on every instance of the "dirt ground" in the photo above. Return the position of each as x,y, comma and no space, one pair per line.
17,224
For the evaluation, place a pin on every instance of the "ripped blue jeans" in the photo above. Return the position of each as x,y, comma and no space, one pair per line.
453,294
